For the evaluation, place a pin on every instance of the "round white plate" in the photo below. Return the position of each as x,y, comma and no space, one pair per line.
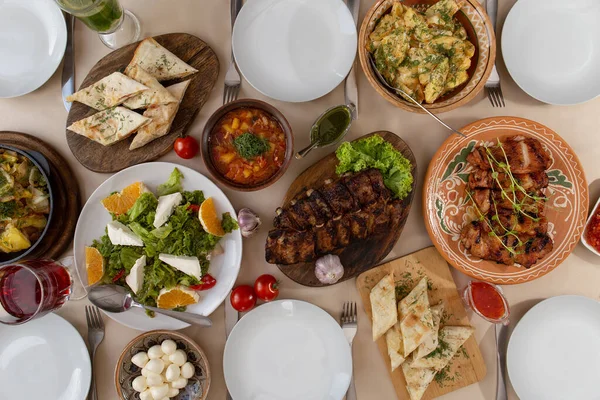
294,50
287,350
43,359
552,49
554,352
224,268
33,38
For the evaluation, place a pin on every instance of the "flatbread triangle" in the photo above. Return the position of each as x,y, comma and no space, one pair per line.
156,95
416,320
431,341
109,126
108,92
383,306
417,379
450,340
159,62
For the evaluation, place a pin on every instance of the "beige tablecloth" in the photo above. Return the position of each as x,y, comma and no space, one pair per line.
42,114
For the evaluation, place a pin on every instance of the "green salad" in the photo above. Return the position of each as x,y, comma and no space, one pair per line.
375,152
180,239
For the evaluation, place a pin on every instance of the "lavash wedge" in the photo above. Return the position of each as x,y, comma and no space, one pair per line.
416,320
108,92
109,126
431,342
417,379
156,95
393,339
450,340
161,116
383,306
159,62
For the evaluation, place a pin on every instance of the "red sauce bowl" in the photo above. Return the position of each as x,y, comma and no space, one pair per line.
214,120
591,235
488,301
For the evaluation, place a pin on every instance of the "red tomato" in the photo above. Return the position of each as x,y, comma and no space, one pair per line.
186,147
207,282
243,298
266,287
195,208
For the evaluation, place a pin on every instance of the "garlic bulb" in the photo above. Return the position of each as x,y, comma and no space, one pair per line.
329,269
248,222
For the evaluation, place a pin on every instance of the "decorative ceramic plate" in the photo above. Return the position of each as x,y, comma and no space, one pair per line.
447,205
126,371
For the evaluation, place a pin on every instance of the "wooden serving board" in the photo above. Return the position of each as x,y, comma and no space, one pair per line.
468,366
67,198
358,256
114,158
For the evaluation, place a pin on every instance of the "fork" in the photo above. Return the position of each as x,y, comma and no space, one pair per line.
349,326
492,86
233,80
95,337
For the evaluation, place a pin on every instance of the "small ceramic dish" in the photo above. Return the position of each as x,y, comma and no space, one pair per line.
216,118
479,32
126,371
591,248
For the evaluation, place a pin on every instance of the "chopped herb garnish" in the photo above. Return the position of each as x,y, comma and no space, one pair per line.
250,146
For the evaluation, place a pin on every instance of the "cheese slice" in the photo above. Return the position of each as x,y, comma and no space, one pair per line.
135,279
450,340
416,320
159,62
383,306
120,234
161,116
165,207
156,95
431,342
393,339
417,379
110,126
108,92
187,265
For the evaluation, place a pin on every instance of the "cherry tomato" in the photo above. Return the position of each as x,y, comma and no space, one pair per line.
243,298
207,282
266,287
186,147
194,208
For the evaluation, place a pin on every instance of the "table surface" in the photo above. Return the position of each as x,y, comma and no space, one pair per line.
42,114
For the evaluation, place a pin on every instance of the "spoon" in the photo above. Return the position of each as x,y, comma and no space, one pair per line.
406,96
116,299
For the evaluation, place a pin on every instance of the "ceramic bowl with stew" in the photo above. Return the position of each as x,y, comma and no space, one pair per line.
247,144
126,371
479,32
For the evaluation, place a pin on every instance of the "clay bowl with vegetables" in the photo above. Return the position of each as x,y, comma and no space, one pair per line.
162,364
247,145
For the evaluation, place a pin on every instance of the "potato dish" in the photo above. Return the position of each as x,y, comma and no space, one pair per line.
424,54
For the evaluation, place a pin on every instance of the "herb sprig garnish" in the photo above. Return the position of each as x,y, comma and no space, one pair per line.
250,146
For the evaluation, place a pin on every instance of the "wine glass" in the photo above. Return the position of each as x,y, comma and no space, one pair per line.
116,26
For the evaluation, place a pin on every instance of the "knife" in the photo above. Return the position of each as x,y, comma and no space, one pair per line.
350,86
231,318
68,72
501,344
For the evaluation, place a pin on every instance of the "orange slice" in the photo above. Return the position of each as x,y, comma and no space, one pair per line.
178,296
94,264
209,219
120,203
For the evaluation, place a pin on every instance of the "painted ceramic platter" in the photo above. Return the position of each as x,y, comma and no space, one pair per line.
447,206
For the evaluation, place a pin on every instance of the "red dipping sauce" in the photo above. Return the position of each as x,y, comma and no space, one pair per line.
487,300
592,233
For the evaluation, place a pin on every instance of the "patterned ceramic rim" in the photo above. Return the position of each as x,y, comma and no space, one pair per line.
484,35
125,371
446,212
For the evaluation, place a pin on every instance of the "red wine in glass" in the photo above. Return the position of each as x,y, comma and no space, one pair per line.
31,289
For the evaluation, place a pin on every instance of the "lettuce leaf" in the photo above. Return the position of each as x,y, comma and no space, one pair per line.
144,204
173,185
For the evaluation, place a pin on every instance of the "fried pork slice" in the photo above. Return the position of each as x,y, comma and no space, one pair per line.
289,247
319,205
303,214
483,179
476,239
533,250
524,155
520,223
382,192
338,198
325,237
360,224
359,185
488,200
283,220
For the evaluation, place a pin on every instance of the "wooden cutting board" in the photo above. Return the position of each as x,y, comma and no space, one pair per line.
114,158
467,367
358,256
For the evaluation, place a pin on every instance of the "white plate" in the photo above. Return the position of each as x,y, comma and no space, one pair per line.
224,268
554,352
294,50
43,359
287,350
552,49
33,38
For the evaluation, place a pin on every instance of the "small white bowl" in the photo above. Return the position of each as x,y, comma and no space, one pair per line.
585,242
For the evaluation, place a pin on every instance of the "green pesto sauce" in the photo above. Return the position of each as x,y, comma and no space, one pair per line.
331,126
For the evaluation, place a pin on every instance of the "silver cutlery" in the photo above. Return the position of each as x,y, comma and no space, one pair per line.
407,97
95,337
231,318
349,326
350,86
114,298
492,86
501,342
68,72
233,80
